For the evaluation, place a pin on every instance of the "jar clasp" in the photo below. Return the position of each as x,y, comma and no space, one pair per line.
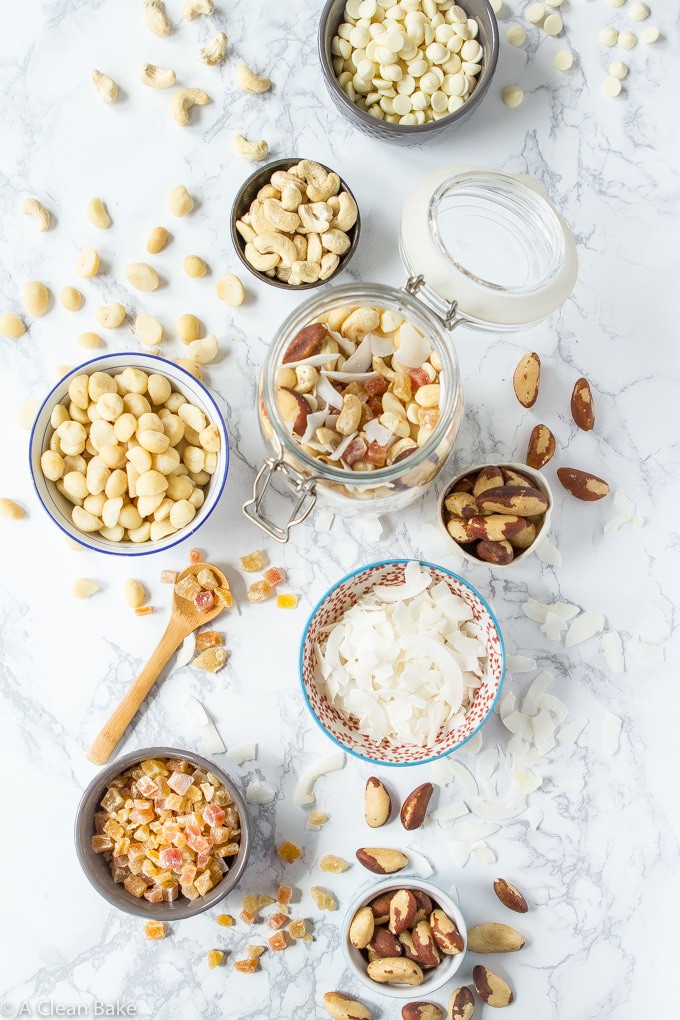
293,482
448,315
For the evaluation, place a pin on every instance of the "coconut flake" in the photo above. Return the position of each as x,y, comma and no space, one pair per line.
460,853
381,346
211,740
484,853
474,744
323,521
314,421
195,713
360,360
414,348
377,433
486,764
534,816
585,626
539,686
186,651
259,793
549,553
416,580
611,733
647,652
624,504
449,814
519,724
570,733
507,705
304,790
242,753
328,393
499,810
520,664
464,778
314,359
471,832
552,704
370,529
350,377
419,863
442,772
612,647
544,732
554,627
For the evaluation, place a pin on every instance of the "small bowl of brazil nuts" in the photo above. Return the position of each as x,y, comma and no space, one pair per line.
496,513
162,833
405,938
295,223
129,454
398,73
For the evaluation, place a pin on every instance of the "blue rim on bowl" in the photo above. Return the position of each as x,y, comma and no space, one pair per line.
347,736
45,490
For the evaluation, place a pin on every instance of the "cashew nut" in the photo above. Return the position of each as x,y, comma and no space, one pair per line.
155,17
253,151
320,183
291,197
346,216
314,248
336,241
262,263
11,326
278,244
214,50
268,191
282,274
258,220
304,272
180,202
245,230
359,323
157,240
306,377
192,8
97,213
157,77
282,178
230,290
41,215
251,82
315,217
105,86
279,217
300,242
182,102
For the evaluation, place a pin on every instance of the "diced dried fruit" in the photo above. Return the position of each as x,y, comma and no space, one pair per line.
100,844
284,893
208,639
255,951
290,852
286,601
196,556
317,819
169,576
277,920
247,917
259,591
324,899
297,929
188,587
155,930
207,579
264,901
246,966
278,941
226,920
211,660
223,597
274,576
144,610
253,562
215,957
204,601
332,863
250,903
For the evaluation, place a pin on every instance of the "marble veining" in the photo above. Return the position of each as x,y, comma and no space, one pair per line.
601,871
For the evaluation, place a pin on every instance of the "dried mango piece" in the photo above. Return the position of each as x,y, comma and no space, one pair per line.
223,597
207,579
246,966
208,639
259,591
324,899
264,901
317,818
215,957
297,929
255,951
290,852
226,920
253,562
274,576
284,895
155,930
144,610
169,576
277,920
332,863
188,588
211,660
204,883
286,601
250,903
135,885
102,843
278,941
196,556
247,917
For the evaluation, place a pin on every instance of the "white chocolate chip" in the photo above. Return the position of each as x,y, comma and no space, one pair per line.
611,87
616,3
618,69
564,60
639,12
516,35
649,35
608,36
553,24
512,95
627,40
535,13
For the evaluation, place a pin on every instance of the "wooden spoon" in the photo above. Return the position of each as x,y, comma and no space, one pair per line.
185,618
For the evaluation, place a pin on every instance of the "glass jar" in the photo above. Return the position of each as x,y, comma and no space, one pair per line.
482,248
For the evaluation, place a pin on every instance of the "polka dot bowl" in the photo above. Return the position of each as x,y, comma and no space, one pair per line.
344,731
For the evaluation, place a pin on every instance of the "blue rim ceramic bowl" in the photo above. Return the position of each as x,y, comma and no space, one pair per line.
97,870
59,508
345,732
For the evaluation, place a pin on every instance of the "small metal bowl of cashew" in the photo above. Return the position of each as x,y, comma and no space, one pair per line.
296,230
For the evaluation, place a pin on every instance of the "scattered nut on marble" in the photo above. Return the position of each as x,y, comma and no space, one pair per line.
97,214
194,266
188,328
110,316
230,290
553,24
255,152
148,329
627,40
214,50
180,202
90,341
157,77
105,86
37,211
639,12
611,87
535,13
608,36
194,8
71,299
251,82
11,511
11,326
155,18
618,69
157,240
142,276
88,263
183,102
35,298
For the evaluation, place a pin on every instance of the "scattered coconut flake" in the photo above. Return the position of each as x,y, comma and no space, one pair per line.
471,832
377,433
449,814
553,705
464,778
584,627
614,523
419,863
484,853
538,611
549,553
525,782
242,753
570,733
414,348
259,793
370,529
304,790
571,789
327,392
534,816
507,705
539,686
611,733
442,773
323,520
554,627
486,764
520,664
381,346
519,724
186,651
612,647
544,732
195,713
211,740
360,360
460,853
499,810
453,893
474,744
314,421
647,652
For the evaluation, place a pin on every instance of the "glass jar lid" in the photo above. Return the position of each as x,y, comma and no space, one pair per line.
490,244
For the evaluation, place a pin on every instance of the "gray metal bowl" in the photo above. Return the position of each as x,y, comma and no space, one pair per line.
246,195
331,18
97,870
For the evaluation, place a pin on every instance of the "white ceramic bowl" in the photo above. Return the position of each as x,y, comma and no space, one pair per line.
539,482
434,978
59,508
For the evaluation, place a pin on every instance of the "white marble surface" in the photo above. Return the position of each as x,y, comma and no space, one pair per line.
602,870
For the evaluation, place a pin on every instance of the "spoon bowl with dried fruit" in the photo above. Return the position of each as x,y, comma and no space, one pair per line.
201,593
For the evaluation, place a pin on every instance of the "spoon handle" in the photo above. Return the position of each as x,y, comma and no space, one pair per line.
121,717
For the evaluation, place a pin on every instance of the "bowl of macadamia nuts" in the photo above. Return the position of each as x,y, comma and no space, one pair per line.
295,224
496,513
129,454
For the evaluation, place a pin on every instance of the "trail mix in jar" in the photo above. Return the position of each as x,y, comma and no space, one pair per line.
360,390
168,829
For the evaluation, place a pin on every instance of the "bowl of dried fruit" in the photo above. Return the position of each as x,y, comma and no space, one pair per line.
496,513
162,833
401,662
295,224
129,454
405,938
